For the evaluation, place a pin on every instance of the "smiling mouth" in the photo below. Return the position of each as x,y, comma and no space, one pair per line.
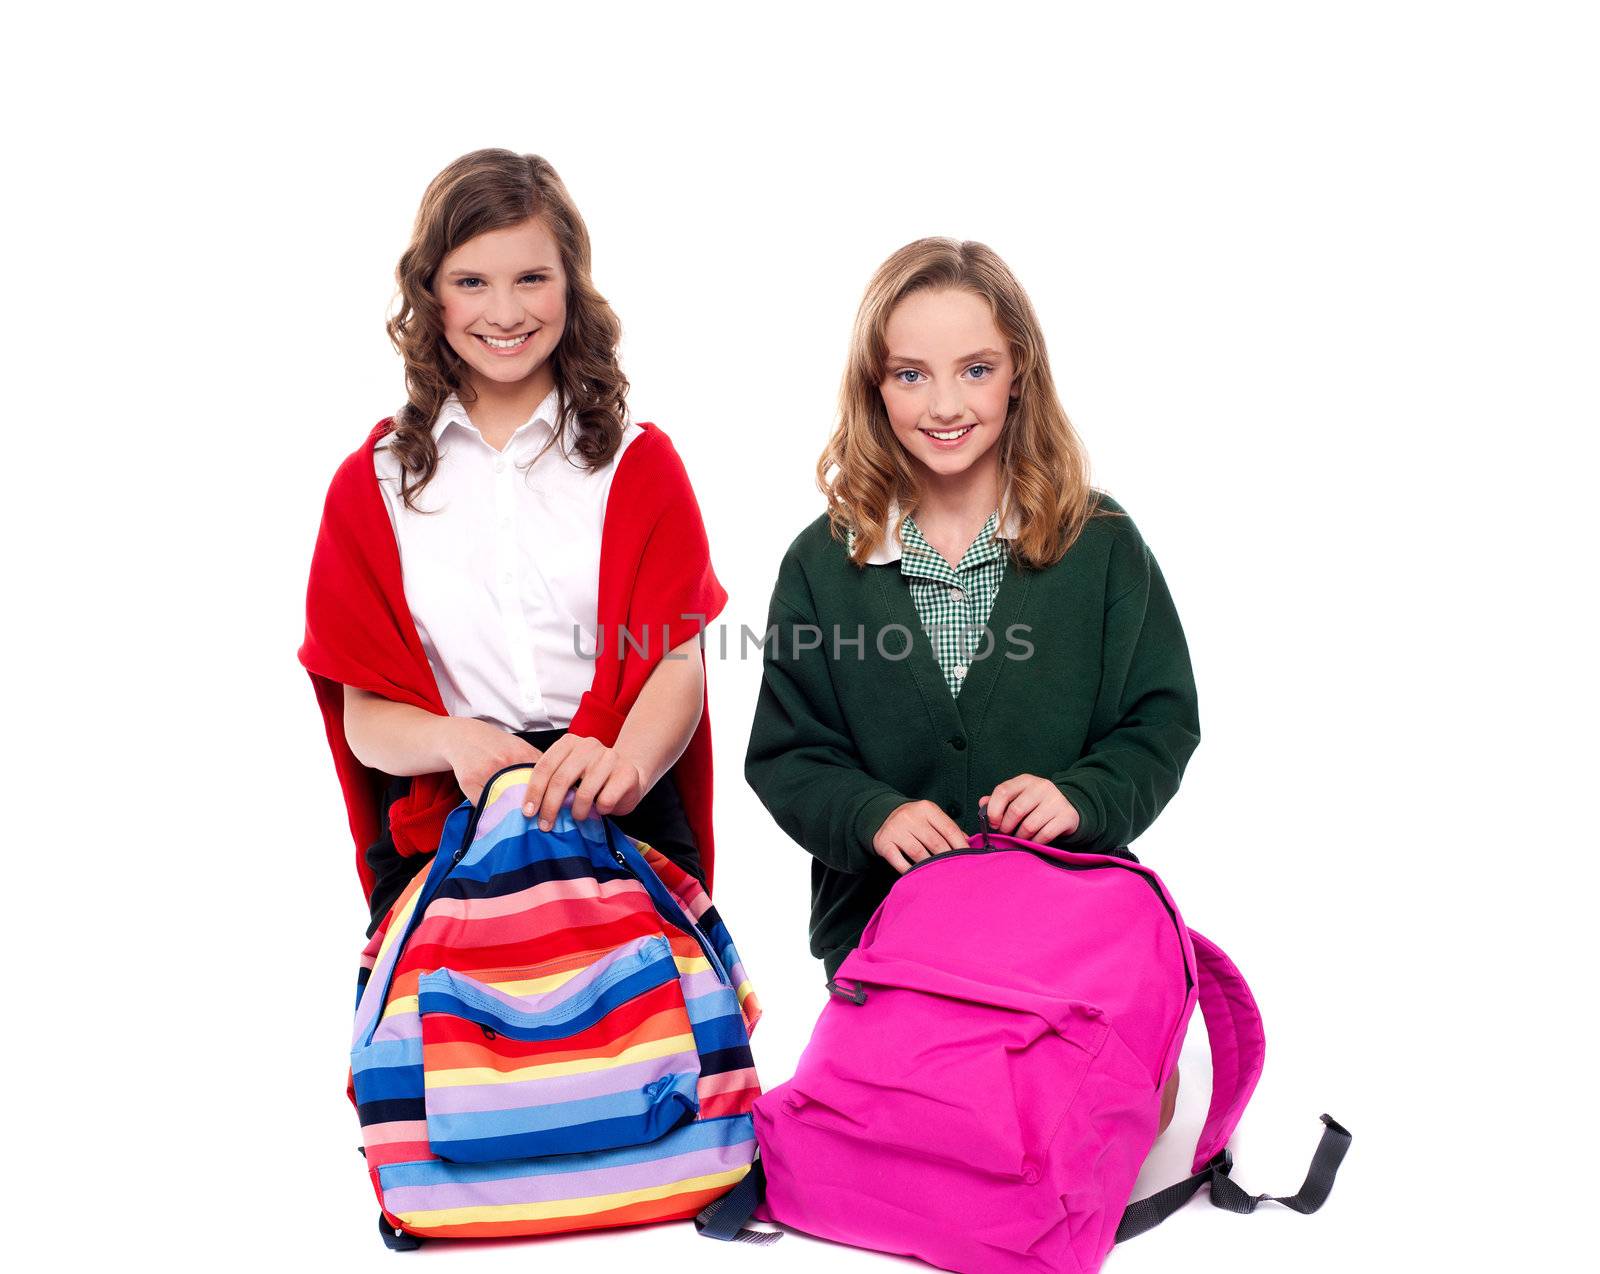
950,435
505,342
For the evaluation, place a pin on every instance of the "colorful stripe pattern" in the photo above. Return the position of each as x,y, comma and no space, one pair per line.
552,1033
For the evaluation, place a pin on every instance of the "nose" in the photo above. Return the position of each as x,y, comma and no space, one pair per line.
945,402
504,309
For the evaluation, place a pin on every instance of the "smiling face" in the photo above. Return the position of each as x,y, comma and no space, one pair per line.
948,380
504,301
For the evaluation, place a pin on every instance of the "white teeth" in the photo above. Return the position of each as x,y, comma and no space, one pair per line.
494,343
951,435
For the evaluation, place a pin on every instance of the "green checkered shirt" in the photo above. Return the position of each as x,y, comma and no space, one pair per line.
954,604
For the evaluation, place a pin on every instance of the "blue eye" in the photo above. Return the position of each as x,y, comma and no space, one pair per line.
463,282
537,278
904,372
980,367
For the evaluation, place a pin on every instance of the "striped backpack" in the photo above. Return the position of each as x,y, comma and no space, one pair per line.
552,1033
986,1080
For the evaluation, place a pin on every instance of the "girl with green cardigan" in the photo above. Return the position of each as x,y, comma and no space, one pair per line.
970,627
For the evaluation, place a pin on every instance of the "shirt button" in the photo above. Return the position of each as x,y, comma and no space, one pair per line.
499,466
506,578
957,595
959,671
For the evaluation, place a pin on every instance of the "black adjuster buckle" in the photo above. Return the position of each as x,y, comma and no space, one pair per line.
856,996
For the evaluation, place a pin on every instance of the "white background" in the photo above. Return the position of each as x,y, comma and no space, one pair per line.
1320,289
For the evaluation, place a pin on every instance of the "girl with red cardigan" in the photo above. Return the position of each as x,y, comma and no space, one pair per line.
509,570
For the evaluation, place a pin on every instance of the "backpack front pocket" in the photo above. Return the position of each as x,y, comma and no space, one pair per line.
606,1059
943,1067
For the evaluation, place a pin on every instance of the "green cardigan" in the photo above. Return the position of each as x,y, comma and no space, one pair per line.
1088,683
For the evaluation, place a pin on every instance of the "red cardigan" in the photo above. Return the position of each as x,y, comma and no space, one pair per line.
655,568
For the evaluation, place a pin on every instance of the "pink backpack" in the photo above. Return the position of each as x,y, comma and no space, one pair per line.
986,1082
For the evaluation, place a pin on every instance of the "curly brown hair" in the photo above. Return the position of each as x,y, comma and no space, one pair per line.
483,191
1045,465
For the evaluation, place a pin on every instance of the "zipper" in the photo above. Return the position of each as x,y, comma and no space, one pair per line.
461,852
650,953
479,806
1188,978
422,903
680,920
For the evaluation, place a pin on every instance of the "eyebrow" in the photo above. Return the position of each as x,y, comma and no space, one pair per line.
965,358
532,269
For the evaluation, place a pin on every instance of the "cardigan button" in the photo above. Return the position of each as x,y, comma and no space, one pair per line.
953,809
958,743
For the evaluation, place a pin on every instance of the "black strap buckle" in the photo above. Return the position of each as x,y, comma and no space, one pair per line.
858,995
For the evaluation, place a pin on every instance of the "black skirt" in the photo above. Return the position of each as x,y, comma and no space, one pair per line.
658,820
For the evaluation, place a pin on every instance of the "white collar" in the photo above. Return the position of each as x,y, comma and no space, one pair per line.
889,549
453,413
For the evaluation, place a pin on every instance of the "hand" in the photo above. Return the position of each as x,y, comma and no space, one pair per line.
914,833
477,750
605,780
1031,808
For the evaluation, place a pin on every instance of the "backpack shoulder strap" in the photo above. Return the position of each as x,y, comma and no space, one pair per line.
1238,1050
1238,1044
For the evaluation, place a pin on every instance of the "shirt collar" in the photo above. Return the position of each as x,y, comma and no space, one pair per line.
889,550
922,559
453,413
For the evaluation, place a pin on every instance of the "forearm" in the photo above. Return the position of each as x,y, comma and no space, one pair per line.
1148,721
1120,786
397,738
830,809
665,715
802,761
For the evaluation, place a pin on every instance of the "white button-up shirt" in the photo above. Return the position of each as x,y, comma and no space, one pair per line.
502,568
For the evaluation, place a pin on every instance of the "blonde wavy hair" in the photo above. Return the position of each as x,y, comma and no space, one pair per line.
1044,464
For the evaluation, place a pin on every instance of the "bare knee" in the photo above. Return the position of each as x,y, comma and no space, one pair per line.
1169,1101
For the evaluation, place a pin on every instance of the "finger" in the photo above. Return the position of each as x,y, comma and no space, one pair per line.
947,831
996,804
1057,826
540,778
1019,807
939,834
555,795
521,753
914,847
558,777
614,789
1046,802
594,780
897,860
919,832
535,790
1032,825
